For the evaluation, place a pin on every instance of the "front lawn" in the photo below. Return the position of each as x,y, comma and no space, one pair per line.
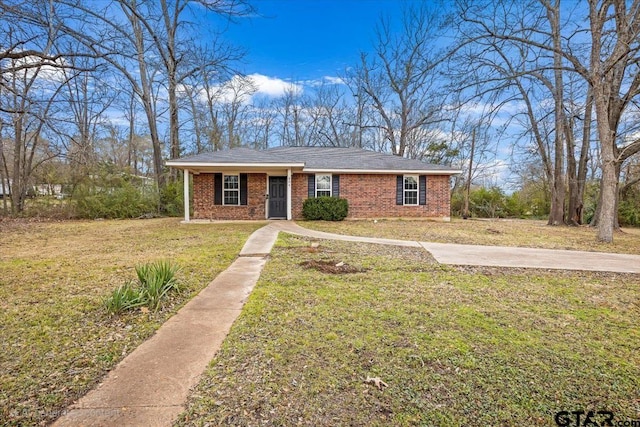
455,345
525,233
57,339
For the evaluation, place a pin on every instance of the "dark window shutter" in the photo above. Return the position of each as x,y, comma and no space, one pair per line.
217,188
335,185
422,189
243,189
399,190
312,186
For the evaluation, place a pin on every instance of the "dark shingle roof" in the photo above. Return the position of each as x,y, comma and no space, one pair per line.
350,158
235,155
316,158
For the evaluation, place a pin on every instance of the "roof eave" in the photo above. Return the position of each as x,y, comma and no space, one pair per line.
190,165
385,171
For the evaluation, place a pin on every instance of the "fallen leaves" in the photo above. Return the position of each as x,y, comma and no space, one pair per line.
376,381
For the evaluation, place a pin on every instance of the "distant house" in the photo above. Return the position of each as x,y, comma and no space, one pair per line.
242,183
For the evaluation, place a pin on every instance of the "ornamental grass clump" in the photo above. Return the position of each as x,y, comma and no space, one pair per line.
125,297
156,281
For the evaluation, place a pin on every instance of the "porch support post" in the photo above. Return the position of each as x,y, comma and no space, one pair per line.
186,195
289,216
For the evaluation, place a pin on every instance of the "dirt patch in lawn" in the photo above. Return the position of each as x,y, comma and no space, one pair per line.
332,267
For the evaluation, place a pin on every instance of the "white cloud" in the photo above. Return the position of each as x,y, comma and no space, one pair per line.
46,70
325,80
333,80
273,86
247,87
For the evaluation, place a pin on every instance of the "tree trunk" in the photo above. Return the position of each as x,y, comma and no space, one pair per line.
146,98
171,64
606,219
576,213
575,202
556,215
467,191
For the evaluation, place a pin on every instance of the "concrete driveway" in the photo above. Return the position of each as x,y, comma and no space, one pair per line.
496,256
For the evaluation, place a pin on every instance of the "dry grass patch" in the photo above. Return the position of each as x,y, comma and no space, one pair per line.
456,346
524,233
56,336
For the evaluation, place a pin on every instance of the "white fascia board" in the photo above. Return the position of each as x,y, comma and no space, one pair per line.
384,172
189,165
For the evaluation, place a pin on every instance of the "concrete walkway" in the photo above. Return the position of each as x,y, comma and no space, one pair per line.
150,386
497,256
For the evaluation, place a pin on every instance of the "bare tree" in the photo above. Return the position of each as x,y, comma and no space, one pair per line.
175,50
290,107
610,69
30,105
400,80
33,70
263,121
235,108
152,49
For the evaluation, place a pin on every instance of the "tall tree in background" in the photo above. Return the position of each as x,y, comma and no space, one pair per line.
400,80
34,68
609,67
615,81
152,48
520,72
174,46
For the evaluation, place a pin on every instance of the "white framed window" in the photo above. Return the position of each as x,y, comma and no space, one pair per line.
410,194
231,190
323,185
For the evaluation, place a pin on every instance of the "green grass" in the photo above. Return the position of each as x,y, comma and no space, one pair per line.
456,345
524,233
57,338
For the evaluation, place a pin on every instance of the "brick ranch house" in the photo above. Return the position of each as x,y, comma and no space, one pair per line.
242,183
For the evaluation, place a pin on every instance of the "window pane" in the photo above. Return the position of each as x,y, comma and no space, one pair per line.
322,193
231,182
410,183
411,197
323,182
231,197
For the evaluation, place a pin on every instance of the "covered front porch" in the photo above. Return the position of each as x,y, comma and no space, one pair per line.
233,194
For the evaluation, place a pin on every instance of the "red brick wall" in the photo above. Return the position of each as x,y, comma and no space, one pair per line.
203,202
374,196
369,196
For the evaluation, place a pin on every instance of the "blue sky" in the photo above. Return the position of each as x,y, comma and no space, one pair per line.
300,40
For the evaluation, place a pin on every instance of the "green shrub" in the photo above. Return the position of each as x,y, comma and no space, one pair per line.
325,208
488,202
629,213
155,282
123,201
171,203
